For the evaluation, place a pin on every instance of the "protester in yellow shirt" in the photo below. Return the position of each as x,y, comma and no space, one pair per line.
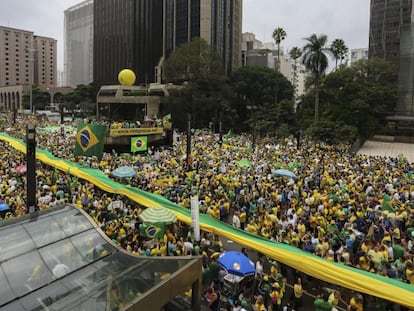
409,272
356,303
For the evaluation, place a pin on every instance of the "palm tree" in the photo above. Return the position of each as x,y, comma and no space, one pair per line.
339,51
279,34
295,53
316,61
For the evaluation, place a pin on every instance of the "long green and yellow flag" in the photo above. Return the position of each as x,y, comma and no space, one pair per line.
139,143
90,139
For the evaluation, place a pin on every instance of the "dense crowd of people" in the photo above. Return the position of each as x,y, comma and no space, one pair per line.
352,209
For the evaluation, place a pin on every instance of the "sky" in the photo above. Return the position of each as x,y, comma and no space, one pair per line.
338,19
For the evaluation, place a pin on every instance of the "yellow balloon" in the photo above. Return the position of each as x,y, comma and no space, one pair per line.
126,77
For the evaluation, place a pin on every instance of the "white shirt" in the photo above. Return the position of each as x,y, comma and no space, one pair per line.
236,221
259,269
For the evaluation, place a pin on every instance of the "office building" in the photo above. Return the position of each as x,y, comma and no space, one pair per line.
358,54
264,54
25,59
78,44
16,57
45,61
129,34
392,38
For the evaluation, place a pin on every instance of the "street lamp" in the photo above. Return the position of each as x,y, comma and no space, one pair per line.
31,73
188,141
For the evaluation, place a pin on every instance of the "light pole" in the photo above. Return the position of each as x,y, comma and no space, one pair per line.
31,73
188,161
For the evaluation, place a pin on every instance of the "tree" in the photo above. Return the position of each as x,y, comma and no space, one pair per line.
83,97
193,60
255,90
339,51
295,53
361,96
40,99
316,61
206,94
279,34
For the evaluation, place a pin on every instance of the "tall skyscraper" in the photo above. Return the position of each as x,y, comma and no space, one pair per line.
392,38
78,44
141,34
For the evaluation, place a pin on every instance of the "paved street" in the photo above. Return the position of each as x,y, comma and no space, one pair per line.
377,148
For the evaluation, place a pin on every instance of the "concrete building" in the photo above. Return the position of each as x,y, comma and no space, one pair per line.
142,34
45,61
295,72
78,44
257,53
391,37
358,54
16,57
25,59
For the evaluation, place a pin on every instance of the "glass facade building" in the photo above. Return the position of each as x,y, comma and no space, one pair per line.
60,260
141,34
127,34
392,38
78,44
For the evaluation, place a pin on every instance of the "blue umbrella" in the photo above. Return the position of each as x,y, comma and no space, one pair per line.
236,263
284,172
4,207
124,172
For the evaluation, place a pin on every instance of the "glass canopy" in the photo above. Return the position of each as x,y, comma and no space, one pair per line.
59,260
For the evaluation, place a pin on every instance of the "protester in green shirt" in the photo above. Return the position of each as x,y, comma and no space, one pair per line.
322,303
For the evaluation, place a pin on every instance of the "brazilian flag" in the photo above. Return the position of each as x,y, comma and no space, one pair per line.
90,139
387,203
152,231
139,143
